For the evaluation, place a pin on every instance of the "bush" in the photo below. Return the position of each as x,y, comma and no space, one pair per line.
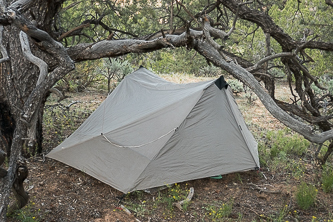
209,71
236,86
306,195
286,142
327,179
215,213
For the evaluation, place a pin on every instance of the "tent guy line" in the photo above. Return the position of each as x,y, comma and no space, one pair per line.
138,146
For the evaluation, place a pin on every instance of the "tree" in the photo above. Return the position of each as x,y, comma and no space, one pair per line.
114,69
40,42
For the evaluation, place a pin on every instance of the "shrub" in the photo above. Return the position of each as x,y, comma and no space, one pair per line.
236,86
306,195
327,179
209,71
218,212
286,142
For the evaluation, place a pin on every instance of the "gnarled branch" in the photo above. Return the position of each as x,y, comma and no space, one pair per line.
42,75
2,48
240,73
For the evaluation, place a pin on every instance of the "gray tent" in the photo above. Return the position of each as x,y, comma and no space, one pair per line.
150,132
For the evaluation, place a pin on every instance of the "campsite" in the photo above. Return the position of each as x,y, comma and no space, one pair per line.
62,193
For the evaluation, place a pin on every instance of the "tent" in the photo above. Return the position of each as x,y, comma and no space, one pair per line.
150,132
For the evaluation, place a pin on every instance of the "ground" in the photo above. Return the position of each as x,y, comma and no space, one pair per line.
62,193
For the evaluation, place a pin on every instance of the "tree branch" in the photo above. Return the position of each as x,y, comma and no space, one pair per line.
187,11
262,61
2,48
70,6
47,43
207,29
43,70
240,73
80,27
114,48
236,17
21,5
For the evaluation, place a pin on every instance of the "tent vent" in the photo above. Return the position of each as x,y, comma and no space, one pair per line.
221,83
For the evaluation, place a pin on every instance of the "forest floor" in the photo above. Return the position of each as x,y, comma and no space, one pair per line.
61,193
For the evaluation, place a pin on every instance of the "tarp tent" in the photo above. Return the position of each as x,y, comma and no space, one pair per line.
150,132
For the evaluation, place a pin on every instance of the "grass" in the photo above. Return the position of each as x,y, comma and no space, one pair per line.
27,213
218,211
306,195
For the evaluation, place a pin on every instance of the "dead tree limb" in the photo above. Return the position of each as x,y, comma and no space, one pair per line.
264,190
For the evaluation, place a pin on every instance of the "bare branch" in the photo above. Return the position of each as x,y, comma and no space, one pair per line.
80,27
114,48
262,61
43,68
307,73
207,29
2,48
58,93
171,18
71,6
21,5
2,6
236,17
240,73
187,11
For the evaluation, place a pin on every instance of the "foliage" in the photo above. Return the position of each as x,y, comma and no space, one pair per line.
114,69
60,120
287,142
165,61
27,214
236,86
280,145
306,195
209,71
327,178
79,79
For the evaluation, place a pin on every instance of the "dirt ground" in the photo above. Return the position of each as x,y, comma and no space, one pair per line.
61,193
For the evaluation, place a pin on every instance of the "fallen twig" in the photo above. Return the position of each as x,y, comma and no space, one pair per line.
188,199
257,187
128,212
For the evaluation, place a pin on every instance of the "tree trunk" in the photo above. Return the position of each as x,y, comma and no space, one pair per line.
9,179
7,126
